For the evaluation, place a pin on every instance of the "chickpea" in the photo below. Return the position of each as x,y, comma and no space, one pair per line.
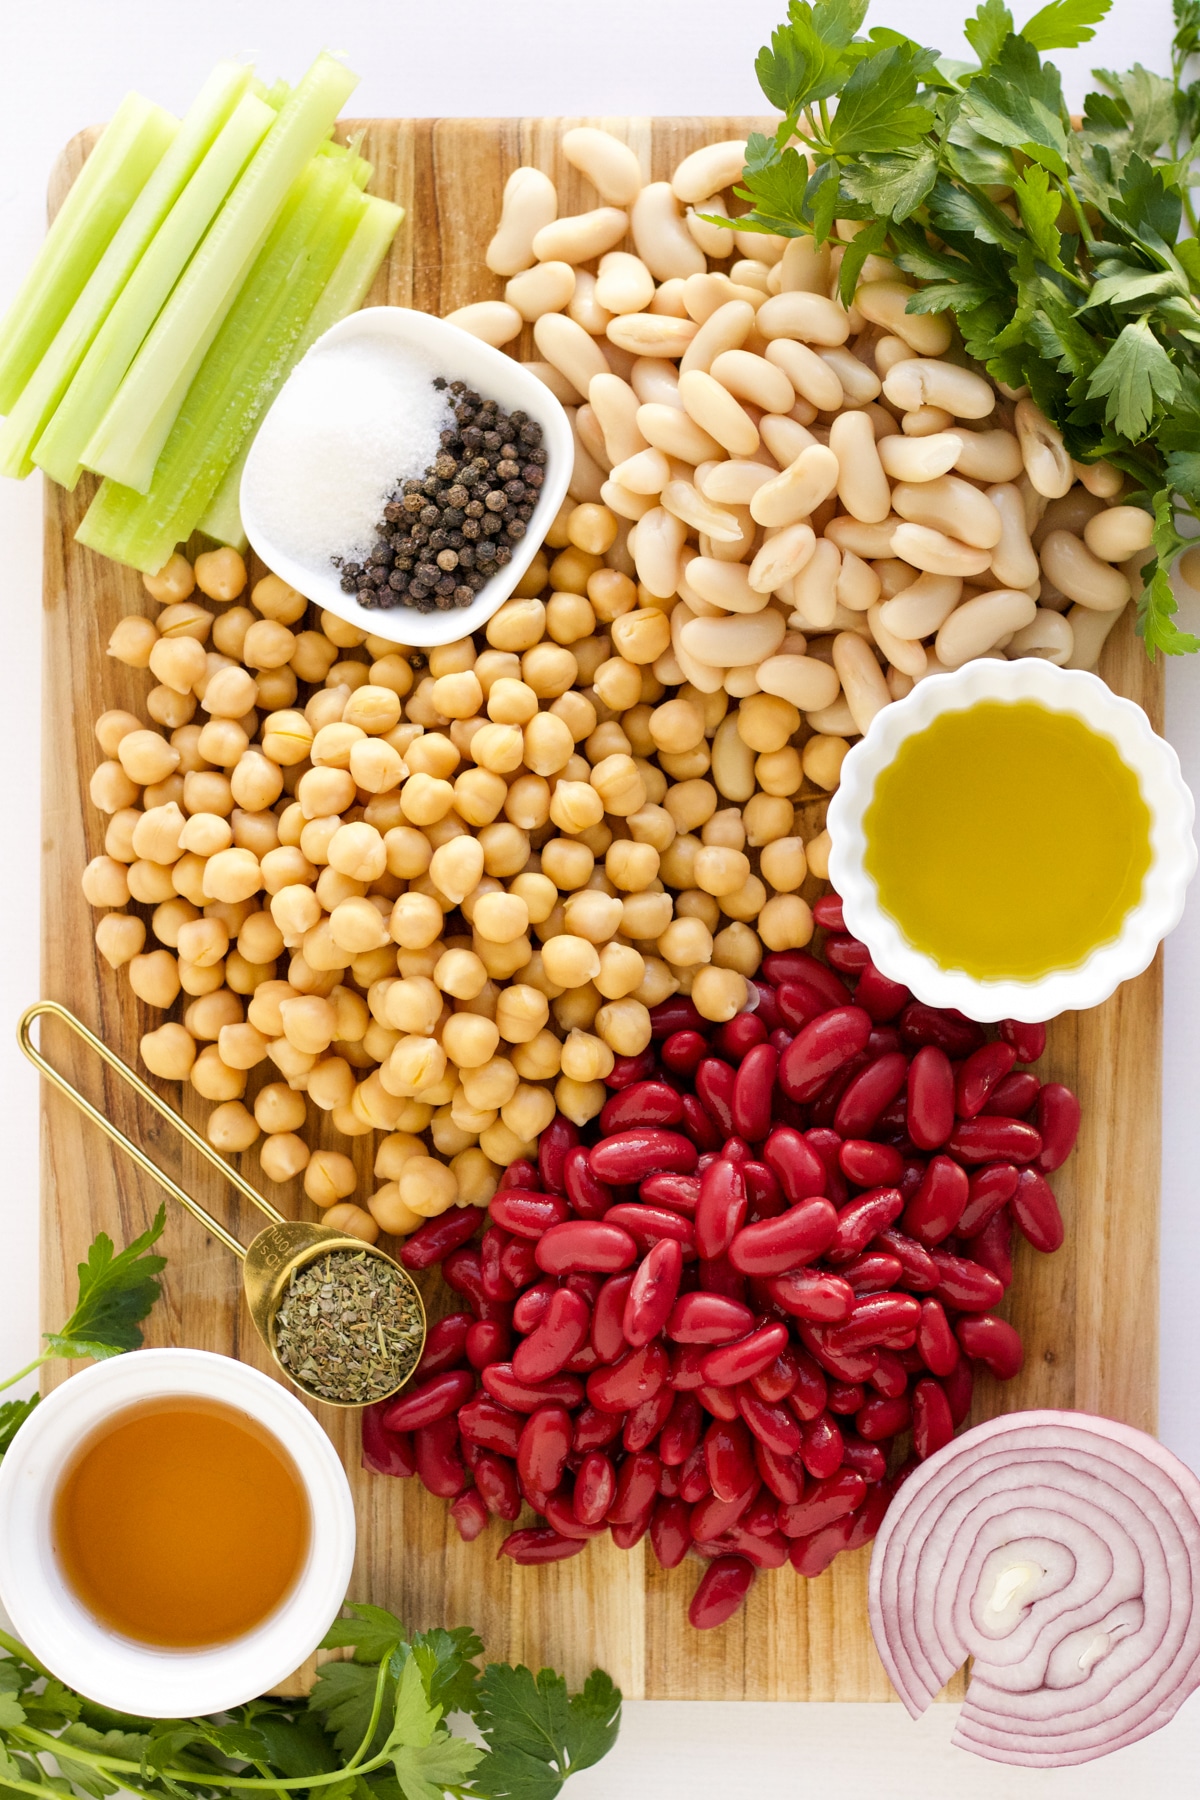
579,1101
783,864
779,771
276,689
119,938
208,1015
678,863
229,632
501,918
817,852
231,1128
213,1079
427,1187
685,942
178,662
624,1025
490,1085
229,694
767,817
517,625
174,581
737,947
415,1065
577,713
470,1040
169,1052
206,791
622,970
202,942
718,994
539,894
631,865
112,726
538,1060
765,722
146,757
592,915
456,868
169,708
330,1176
719,870
618,684
331,1083
646,915
274,599
528,1112
785,923
154,978
223,742
658,983
477,1175
313,656
256,782
105,882
278,1109
132,641
822,761
416,921
390,1212
694,903
569,617
221,574
394,1152
691,804
353,1222
233,874
356,925
308,1023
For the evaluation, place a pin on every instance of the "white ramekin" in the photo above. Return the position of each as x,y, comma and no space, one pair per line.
116,1672
460,357
1172,850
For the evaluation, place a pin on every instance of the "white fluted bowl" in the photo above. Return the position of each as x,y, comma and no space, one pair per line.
1172,849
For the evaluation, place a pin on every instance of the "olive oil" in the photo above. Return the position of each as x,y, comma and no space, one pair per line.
1007,840
181,1523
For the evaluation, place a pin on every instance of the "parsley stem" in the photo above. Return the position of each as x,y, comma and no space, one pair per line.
377,1708
43,1741
27,1370
16,1648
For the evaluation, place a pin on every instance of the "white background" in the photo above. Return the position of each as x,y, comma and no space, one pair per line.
67,65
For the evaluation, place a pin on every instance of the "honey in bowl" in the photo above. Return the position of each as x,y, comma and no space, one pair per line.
181,1523
1007,840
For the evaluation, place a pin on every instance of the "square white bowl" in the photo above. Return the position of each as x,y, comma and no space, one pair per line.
459,357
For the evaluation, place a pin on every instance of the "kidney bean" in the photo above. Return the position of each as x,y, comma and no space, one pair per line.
807,1397
705,1318
788,1242
679,1192
470,1515
978,1074
867,1164
637,1376
889,1377
821,1446
1036,1211
589,1244
650,1225
766,1550
636,1488
675,1014
825,1144
767,1009
645,1422
594,1430
385,1452
739,1034
844,1365
867,1460
877,1319
814,1295
869,1517
721,1590
993,1246
753,1091
868,1095
711,1516
433,1241
628,1069
917,1267
776,1381
491,1425
783,966
652,1292
524,1396
820,1048
721,1209
525,1214
798,1003
774,1426
885,1041
521,1174
929,1110
553,1342
882,1417
800,1171
1028,1040
880,996
496,1480
440,1467
720,1402
608,1315
435,1398
847,954
948,1030
939,1202
828,1499
645,1150
845,1397
994,1140
1014,1096
1058,1124
530,1308
714,1081
445,1346
872,1272
988,1189
935,1339
683,1050
559,1137
488,1341
823,1107
783,1476
730,1364
932,1426
827,912
729,1458
957,1387
558,1510
584,1360
693,1478
644,1103
763,1192
717,1275
517,1263
681,1430
811,1556
496,1284
759,1518
670,1538
686,1364
965,1284
862,1219
993,1342
540,1544
542,1451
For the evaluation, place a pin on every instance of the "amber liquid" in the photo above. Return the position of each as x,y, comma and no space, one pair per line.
181,1523
1008,840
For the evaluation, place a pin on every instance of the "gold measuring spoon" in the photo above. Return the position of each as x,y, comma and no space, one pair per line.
275,1254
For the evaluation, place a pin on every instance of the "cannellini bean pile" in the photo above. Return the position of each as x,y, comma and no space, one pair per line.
434,897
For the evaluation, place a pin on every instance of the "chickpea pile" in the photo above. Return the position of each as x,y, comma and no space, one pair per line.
435,897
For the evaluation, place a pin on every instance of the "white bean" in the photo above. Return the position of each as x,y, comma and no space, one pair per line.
725,549
805,267
590,430
624,501
862,679
1118,533
920,609
952,505
1049,635
902,653
920,381
530,202
571,350
860,385
556,381
546,287
670,300
725,584
615,406
732,483
871,541
611,166
889,351
651,334
988,455
494,322
661,238
645,472
862,485
814,590
833,721
687,503
709,170
808,683
587,477
784,437
716,411
884,302
623,283
799,490
919,459
811,318
812,377
655,381
978,625
857,585
1089,631
724,329
702,676
1046,461
657,544
715,240
581,236
1014,563
748,271
1082,577
1100,478
739,684
584,307
925,421
936,553
669,428
782,557
753,378
731,642
762,246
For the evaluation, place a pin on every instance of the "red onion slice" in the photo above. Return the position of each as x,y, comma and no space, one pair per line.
1062,1553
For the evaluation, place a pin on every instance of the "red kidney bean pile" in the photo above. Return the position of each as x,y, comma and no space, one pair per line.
723,1321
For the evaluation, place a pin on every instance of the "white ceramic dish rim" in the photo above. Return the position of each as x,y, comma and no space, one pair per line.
498,377
114,1671
1173,851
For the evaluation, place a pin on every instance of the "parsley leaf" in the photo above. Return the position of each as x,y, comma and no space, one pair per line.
446,1660
115,1294
777,193
1183,473
1136,376
893,184
13,1414
1156,618
344,1696
878,109
1019,104
1039,205
987,30
1065,24
426,1760
536,1735
373,1632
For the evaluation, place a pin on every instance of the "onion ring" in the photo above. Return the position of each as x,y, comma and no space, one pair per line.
1062,1553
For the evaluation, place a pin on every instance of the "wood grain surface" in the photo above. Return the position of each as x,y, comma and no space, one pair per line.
1088,1314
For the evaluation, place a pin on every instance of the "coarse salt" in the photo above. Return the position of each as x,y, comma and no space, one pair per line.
353,420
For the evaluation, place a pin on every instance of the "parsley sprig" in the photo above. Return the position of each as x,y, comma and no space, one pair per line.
1088,297
372,1729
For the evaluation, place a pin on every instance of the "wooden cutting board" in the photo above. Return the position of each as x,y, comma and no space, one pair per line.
1088,1315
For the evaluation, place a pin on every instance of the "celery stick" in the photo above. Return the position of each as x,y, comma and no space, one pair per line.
130,438
134,142
99,375
285,284
344,293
